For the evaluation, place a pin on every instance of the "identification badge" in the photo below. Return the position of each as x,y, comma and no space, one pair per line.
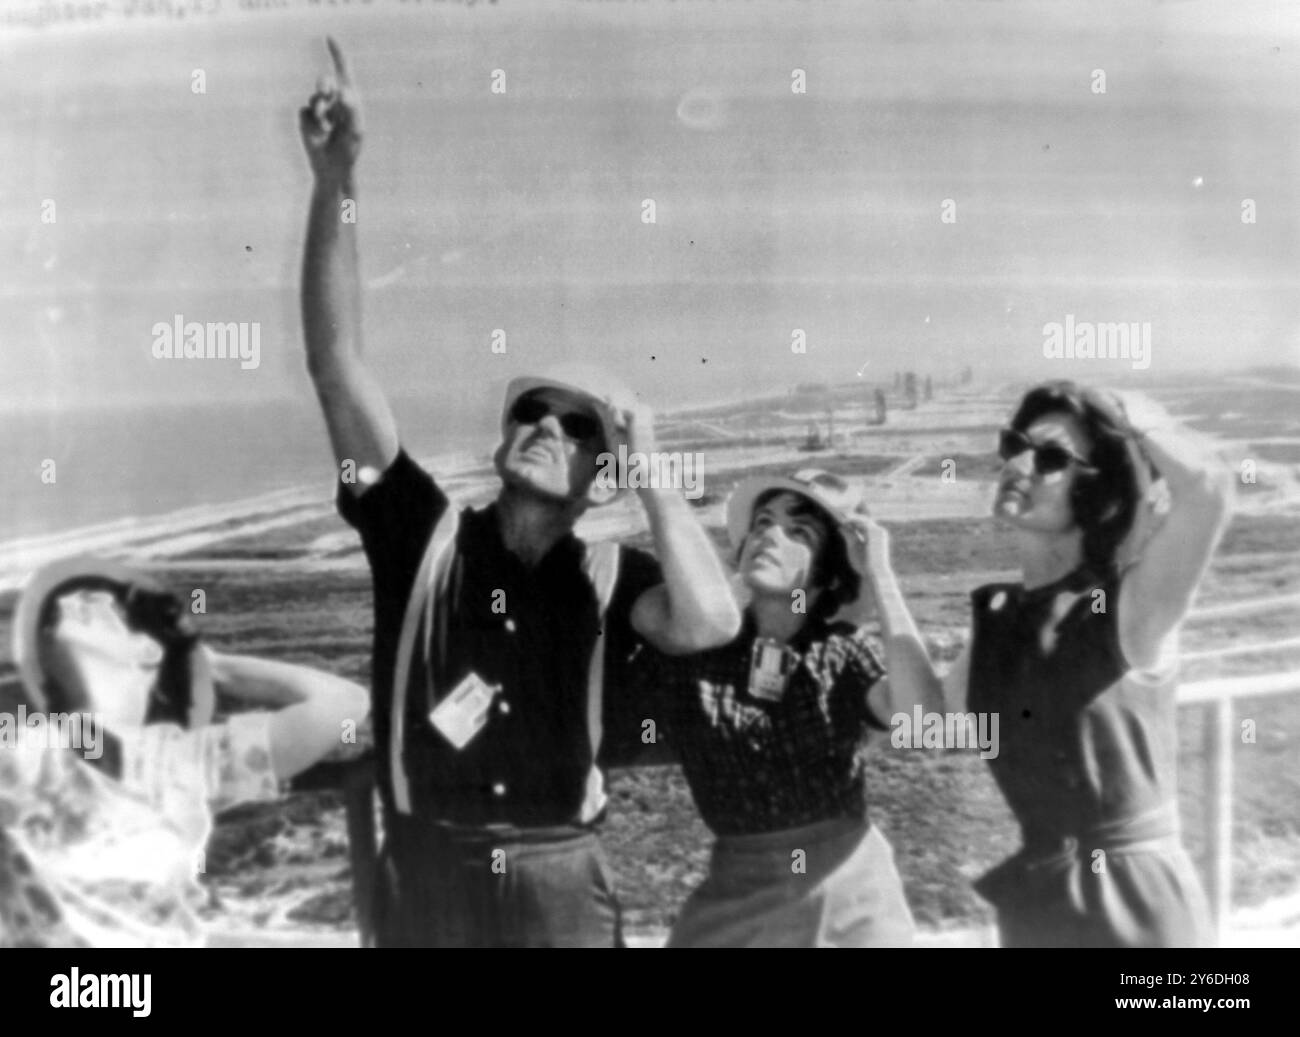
463,713
770,664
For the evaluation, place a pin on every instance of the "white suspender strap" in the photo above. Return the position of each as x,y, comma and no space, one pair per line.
601,567
425,592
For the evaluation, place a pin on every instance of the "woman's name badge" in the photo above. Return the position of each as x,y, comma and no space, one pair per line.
463,713
769,669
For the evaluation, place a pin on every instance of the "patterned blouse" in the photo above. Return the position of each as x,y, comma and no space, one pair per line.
87,860
761,759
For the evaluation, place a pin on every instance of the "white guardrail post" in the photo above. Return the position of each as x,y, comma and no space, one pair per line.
1218,696
1218,810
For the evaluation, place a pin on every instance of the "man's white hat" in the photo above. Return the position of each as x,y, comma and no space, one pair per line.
584,380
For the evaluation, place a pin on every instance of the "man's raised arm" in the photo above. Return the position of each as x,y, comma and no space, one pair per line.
693,609
361,426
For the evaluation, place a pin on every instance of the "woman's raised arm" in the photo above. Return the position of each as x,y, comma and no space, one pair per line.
1158,588
912,679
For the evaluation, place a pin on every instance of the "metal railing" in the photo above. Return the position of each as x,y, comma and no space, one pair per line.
1218,696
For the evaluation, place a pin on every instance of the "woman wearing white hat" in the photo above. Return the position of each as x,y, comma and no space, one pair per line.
110,776
771,730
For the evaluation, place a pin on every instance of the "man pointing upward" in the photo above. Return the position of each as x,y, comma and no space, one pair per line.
497,631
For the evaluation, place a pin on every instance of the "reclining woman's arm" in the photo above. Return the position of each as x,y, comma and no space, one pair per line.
310,707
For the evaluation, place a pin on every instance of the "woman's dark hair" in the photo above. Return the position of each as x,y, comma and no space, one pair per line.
832,572
146,612
1106,501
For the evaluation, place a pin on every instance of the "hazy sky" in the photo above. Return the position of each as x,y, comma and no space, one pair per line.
819,211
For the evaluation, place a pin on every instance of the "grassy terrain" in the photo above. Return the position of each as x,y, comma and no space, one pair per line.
286,864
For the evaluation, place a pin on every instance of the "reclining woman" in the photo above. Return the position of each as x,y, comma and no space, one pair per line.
102,833
1079,660
771,729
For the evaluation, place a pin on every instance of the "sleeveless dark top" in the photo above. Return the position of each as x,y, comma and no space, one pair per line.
1087,761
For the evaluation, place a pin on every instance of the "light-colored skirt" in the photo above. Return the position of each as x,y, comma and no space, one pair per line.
829,884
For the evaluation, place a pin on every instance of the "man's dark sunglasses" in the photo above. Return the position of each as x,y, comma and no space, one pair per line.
529,410
1048,457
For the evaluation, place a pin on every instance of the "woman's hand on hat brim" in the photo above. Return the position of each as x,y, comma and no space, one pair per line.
868,543
1142,413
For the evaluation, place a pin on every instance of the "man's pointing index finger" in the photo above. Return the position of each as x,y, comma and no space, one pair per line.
340,63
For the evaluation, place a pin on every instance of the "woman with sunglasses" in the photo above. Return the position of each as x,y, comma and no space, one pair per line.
771,731
1079,661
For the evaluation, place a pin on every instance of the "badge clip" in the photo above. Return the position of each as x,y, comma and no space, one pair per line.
770,666
463,713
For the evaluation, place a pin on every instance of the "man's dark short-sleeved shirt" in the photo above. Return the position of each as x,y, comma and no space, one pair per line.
529,764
